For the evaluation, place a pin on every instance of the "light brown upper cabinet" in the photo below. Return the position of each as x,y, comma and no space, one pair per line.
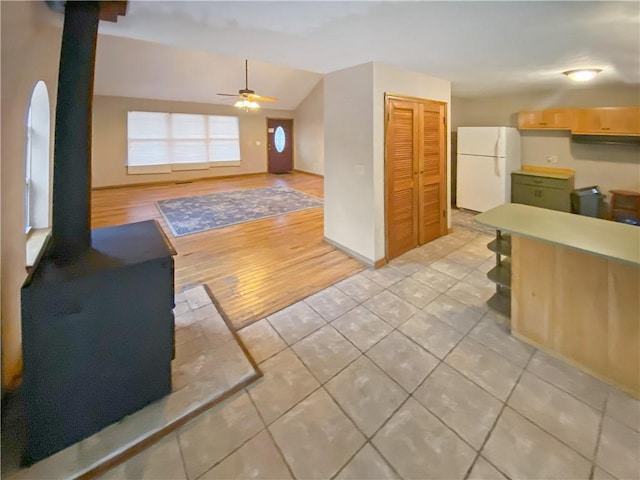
584,121
550,119
415,173
607,121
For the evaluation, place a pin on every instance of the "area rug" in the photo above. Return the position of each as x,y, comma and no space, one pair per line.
189,215
210,364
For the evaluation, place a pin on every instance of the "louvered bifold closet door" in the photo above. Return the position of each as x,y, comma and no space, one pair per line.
401,175
432,172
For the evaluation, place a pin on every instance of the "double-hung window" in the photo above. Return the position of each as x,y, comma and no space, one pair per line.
164,142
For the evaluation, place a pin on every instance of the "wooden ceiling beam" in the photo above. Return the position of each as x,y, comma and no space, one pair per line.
110,10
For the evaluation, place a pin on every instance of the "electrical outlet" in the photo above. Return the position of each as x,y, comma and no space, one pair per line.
552,159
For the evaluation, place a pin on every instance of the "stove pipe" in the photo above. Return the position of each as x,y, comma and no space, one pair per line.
71,226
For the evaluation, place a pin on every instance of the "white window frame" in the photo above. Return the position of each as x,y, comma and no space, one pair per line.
28,191
174,166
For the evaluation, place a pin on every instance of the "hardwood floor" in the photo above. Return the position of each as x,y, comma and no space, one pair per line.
253,269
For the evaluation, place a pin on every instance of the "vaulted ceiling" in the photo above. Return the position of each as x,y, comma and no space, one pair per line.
195,49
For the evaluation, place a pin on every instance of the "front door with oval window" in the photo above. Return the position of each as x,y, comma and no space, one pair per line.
280,145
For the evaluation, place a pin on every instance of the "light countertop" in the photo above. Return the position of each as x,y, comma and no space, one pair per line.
604,238
545,174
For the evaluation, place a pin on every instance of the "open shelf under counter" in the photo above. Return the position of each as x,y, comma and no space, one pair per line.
501,273
501,302
501,244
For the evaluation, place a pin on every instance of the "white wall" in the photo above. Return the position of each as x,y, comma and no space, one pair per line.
348,163
109,143
399,81
608,166
354,150
30,52
309,132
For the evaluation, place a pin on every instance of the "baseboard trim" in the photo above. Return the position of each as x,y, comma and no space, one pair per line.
308,173
178,181
380,263
356,256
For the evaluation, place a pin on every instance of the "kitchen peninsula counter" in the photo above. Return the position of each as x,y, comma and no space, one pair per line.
575,284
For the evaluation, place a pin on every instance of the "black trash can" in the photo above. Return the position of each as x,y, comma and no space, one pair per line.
587,201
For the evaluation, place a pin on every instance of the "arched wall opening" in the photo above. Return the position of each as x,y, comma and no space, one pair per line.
38,161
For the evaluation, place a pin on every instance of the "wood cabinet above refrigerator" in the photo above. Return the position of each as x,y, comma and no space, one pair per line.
550,119
607,121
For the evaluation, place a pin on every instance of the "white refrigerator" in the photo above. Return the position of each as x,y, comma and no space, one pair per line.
486,158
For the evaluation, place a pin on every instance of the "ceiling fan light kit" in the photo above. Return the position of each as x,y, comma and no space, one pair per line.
246,104
248,97
582,74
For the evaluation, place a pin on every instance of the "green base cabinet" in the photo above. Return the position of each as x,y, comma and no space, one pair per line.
542,189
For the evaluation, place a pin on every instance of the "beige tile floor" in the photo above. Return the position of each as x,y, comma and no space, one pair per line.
402,372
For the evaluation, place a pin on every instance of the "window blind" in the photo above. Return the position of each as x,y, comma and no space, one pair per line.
163,142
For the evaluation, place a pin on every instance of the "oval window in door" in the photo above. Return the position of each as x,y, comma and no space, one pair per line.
279,139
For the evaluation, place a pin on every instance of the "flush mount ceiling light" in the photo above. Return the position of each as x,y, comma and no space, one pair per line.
582,74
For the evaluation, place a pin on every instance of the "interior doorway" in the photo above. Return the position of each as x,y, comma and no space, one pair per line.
279,145
415,172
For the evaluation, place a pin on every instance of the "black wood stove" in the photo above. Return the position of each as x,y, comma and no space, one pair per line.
97,319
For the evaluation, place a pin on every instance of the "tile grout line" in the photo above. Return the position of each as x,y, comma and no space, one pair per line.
322,385
234,450
347,416
551,434
327,322
467,334
554,435
387,462
463,374
367,439
284,459
599,437
413,341
442,361
265,425
349,460
548,382
370,439
495,422
335,402
538,376
510,360
184,463
410,395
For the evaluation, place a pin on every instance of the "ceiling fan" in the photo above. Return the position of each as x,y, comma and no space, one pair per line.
248,99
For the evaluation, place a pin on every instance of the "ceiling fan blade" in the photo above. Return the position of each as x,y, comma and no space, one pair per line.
261,98
246,93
